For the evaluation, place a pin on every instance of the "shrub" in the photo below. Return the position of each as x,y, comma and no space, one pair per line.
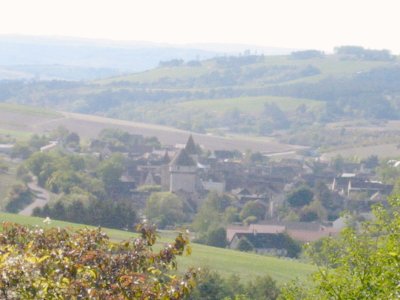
55,263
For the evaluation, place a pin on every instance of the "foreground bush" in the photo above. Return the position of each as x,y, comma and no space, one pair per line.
362,263
54,263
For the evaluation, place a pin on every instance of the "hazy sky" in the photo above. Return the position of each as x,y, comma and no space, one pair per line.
318,24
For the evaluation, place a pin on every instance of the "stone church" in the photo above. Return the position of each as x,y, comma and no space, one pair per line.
180,174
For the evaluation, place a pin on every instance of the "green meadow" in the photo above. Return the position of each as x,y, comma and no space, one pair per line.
225,261
252,105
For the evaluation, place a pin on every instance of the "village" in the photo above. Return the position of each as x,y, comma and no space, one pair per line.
272,201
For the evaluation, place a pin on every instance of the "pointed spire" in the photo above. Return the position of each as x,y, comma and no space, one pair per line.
190,146
183,159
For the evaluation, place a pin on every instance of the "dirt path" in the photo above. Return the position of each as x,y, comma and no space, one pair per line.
41,198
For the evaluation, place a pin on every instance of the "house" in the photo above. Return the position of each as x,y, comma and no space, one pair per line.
263,243
265,239
299,231
231,230
371,188
350,184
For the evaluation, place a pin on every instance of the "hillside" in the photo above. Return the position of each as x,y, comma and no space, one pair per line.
226,261
248,95
20,122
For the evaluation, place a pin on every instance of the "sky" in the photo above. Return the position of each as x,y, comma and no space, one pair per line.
300,24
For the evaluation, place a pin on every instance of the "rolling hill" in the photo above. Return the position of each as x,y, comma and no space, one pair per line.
246,265
20,122
247,95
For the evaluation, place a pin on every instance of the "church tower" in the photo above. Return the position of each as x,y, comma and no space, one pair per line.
183,173
191,149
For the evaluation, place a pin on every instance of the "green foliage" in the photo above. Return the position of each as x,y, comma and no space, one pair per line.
212,286
55,263
253,208
23,174
165,209
25,149
85,209
209,216
359,264
371,161
17,198
217,237
149,188
36,142
110,171
21,150
300,197
72,139
226,261
312,212
262,288
387,173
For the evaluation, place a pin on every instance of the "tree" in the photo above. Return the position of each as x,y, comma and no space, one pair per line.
210,286
54,263
253,208
72,139
262,288
164,209
110,172
371,162
21,150
359,264
210,213
18,197
300,197
217,237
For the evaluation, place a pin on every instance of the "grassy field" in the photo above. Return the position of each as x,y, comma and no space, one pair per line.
247,104
362,152
18,134
20,121
29,110
246,265
329,66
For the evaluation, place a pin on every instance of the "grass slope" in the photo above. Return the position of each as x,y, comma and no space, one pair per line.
21,121
246,265
29,110
331,65
252,105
